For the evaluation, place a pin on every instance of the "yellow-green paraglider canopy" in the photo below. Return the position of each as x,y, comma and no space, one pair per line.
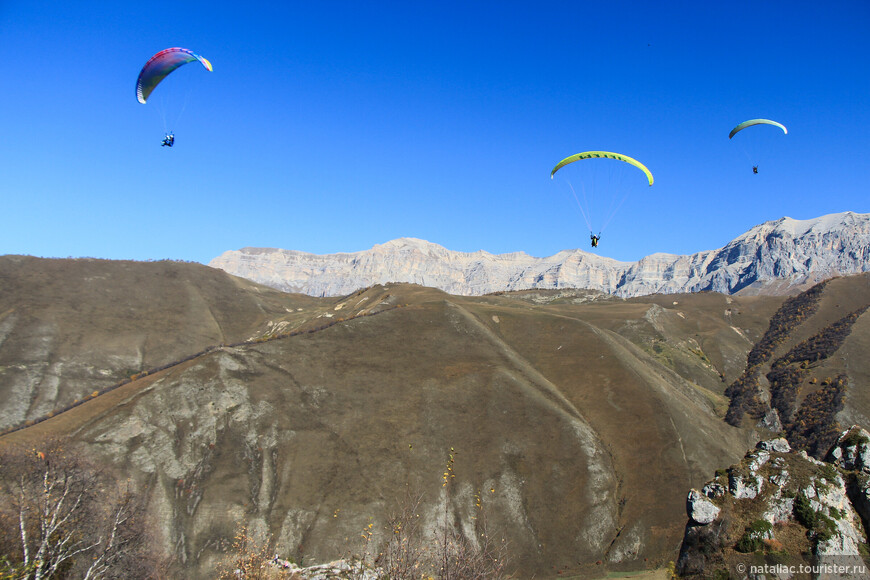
602,155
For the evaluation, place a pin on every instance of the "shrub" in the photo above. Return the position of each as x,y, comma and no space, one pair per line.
854,438
63,517
829,472
817,523
804,512
754,536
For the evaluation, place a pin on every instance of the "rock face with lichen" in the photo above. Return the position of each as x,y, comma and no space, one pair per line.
852,450
798,510
773,257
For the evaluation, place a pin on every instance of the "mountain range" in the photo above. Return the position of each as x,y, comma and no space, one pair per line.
779,256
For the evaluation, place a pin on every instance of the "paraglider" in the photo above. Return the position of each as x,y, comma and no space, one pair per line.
160,65
751,123
609,185
602,155
158,68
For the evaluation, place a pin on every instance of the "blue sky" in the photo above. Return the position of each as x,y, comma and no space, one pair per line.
331,126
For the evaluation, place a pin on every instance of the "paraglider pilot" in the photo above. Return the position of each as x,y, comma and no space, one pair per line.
168,141
594,240
755,169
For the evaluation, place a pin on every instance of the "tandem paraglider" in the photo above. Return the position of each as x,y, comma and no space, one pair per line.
158,68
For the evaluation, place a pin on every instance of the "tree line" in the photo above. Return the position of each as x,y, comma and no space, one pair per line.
809,424
744,392
789,371
62,517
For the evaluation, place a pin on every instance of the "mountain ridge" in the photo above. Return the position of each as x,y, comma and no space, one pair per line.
779,257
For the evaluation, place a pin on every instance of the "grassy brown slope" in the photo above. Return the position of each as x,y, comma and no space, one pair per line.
715,327
661,431
854,356
839,297
70,327
293,432
846,370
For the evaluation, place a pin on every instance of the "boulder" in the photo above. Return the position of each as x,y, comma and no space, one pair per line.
779,445
700,509
757,459
743,486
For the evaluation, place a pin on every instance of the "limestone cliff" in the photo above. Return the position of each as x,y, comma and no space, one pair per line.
778,510
773,257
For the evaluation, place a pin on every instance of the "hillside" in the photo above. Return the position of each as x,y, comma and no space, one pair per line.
807,379
72,327
807,376
578,419
776,257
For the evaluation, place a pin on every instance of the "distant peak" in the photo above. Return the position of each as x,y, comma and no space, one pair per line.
825,223
431,246
406,242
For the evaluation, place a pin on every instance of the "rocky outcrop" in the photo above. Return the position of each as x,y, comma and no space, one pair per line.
700,509
852,450
781,508
335,570
774,257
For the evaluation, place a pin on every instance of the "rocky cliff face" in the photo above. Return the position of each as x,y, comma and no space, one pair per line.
780,510
772,257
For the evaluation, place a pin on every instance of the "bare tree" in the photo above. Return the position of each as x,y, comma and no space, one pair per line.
445,553
404,555
461,560
457,556
124,549
63,515
248,557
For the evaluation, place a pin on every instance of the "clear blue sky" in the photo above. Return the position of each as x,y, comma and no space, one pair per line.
331,126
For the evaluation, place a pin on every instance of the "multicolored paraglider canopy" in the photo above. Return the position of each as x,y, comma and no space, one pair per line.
160,65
